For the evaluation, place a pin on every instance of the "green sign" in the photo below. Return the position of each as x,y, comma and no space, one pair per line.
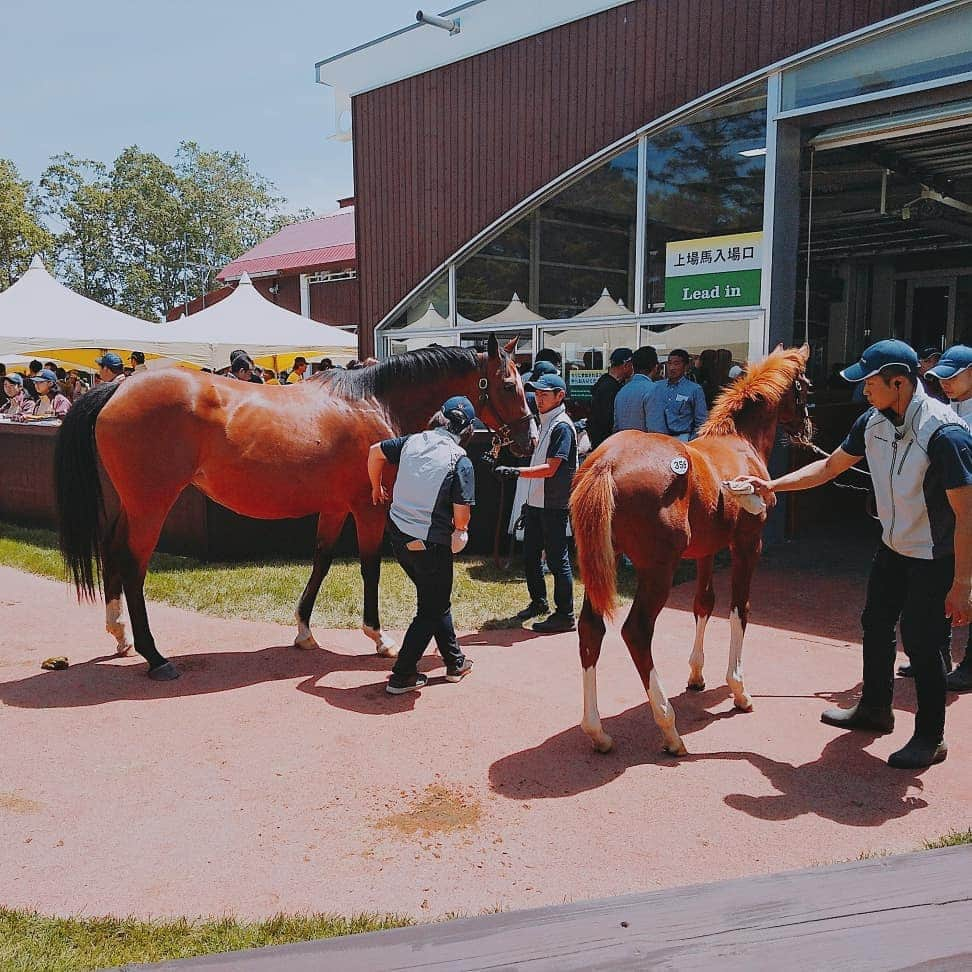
707,290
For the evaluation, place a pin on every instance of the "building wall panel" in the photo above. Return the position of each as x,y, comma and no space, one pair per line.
439,156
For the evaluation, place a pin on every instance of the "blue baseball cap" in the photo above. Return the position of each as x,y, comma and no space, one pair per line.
953,362
883,354
547,383
543,368
459,411
45,374
620,356
15,378
110,360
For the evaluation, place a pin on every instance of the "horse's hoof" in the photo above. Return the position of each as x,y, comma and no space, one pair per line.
674,749
123,651
696,686
604,745
164,673
743,706
384,646
308,644
387,650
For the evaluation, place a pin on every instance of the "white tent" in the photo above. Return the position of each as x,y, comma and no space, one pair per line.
249,321
38,315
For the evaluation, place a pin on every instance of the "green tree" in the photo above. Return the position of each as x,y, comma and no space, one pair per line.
22,233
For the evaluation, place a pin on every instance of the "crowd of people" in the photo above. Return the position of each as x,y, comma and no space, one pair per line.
46,391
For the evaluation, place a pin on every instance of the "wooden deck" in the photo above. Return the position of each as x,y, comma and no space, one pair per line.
908,911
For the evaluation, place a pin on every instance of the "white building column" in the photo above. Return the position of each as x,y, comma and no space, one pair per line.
304,295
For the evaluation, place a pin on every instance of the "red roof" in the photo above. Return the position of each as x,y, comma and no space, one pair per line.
313,244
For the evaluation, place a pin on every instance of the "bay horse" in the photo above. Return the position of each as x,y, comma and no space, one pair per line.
263,451
659,500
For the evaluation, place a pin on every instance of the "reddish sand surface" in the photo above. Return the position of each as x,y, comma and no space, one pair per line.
270,779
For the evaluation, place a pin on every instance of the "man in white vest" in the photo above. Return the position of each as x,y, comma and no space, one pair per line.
919,453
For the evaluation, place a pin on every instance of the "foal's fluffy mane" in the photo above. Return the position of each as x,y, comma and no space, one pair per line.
768,381
413,367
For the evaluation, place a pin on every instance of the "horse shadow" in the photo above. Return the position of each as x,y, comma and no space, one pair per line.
845,783
104,679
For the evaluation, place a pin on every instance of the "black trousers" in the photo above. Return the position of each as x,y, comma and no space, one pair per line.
903,590
546,530
430,570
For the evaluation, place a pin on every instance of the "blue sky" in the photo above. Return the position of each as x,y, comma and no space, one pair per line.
94,77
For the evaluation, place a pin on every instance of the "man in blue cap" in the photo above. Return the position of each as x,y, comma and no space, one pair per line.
920,456
600,423
110,367
954,373
546,510
428,523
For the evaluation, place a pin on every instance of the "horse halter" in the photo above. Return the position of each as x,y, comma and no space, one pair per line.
502,436
801,401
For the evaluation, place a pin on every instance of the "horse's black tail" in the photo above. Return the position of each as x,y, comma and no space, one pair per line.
80,506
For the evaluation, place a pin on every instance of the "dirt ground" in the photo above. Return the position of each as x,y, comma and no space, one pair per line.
270,779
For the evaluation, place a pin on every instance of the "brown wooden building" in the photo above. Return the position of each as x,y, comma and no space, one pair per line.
699,173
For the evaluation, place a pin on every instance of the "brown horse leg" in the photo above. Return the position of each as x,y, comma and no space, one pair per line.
638,630
328,530
704,602
137,535
744,558
370,524
111,575
590,628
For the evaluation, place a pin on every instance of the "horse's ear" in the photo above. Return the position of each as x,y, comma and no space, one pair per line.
510,346
779,347
492,346
805,351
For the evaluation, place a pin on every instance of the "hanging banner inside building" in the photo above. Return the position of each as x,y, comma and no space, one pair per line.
716,271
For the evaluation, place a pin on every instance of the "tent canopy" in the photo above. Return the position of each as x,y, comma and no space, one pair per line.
39,316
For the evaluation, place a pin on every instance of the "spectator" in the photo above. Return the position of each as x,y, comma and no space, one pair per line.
19,404
74,387
600,423
428,522
368,362
632,401
297,373
326,364
241,367
50,366
354,364
51,403
110,367
282,376
678,406
137,360
545,515
270,377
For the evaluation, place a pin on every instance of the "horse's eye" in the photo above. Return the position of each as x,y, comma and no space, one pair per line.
509,385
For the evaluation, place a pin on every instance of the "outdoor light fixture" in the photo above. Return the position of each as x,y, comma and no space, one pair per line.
450,24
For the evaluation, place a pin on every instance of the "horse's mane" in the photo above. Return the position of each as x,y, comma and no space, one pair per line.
768,381
397,371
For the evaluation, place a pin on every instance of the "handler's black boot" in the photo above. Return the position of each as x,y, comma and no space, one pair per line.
961,679
918,753
861,716
535,609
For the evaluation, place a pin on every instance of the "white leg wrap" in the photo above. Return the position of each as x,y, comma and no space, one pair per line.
305,639
697,658
385,646
734,674
115,626
664,714
591,723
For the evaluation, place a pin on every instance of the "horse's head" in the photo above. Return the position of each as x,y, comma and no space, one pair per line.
794,413
502,401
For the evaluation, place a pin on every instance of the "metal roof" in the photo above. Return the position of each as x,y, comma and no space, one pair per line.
311,244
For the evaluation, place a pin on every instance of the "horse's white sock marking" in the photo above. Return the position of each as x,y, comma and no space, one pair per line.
115,626
734,674
697,658
591,723
385,646
664,714
305,638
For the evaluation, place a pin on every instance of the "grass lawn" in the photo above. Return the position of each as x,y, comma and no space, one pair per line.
33,943
484,595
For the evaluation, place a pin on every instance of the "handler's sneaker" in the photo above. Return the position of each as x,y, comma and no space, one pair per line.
458,674
918,753
535,609
556,623
399,685
860,717
960,680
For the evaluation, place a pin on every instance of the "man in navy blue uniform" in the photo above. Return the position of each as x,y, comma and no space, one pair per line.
429,518
919,453
546,510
